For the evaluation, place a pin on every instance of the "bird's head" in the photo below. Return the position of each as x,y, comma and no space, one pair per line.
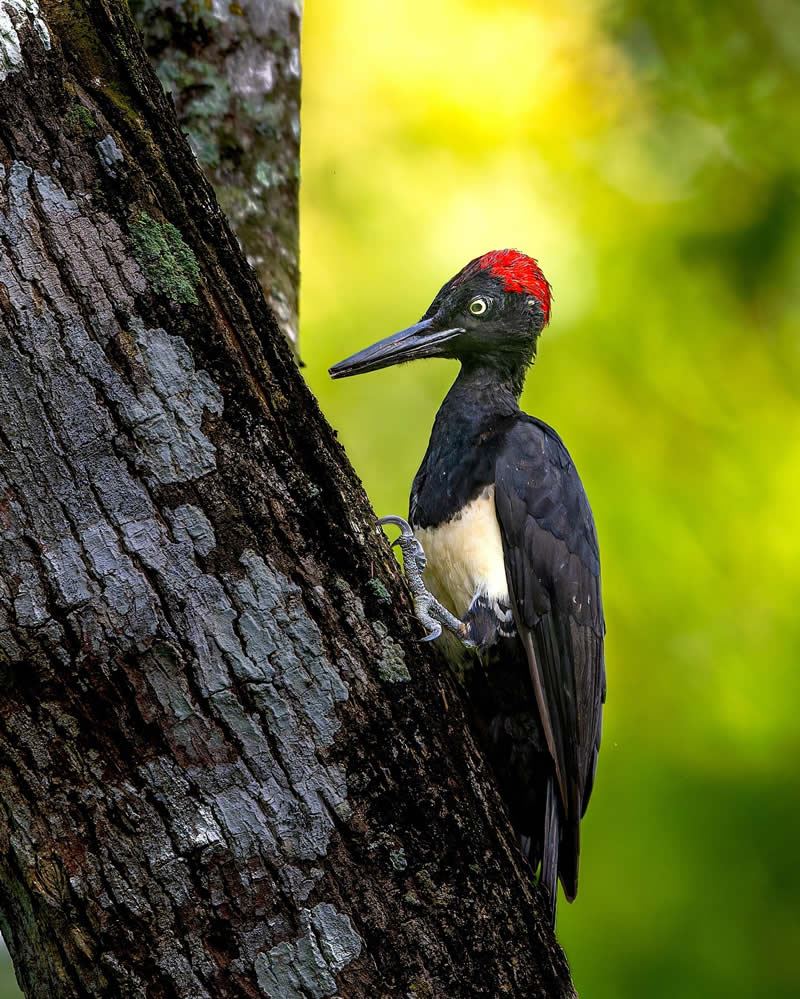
491,313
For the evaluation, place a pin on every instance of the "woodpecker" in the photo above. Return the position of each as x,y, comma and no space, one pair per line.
502,551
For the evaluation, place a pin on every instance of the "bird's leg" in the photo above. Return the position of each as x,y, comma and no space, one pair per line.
430,612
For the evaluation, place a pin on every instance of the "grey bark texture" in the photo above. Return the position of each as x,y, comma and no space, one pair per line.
227,768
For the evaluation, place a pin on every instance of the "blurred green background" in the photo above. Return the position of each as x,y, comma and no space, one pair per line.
648,155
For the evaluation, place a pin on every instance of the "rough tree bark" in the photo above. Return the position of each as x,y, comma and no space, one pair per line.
226,766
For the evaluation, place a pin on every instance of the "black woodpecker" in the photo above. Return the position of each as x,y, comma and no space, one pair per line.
502,528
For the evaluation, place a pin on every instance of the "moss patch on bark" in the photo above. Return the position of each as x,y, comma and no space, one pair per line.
167,262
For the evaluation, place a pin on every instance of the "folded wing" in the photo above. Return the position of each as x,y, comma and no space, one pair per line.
553,571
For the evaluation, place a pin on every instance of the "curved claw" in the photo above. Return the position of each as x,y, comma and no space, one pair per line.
404,525
406,540
437,630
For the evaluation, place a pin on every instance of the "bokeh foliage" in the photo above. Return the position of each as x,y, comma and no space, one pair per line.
649,155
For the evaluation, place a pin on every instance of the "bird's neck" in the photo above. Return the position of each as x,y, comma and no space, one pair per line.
479,400
481,394
459,462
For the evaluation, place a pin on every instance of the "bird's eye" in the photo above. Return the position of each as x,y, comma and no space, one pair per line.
478,306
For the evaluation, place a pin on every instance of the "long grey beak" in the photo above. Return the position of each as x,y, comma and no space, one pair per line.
419,340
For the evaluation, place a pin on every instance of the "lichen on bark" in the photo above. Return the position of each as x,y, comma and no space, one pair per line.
12,13
169,264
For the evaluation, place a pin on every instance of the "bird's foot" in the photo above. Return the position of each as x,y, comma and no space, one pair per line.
432,615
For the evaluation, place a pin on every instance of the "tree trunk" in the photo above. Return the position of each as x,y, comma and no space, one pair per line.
233,71
226,766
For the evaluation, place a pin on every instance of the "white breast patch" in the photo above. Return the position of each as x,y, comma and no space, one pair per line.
465,556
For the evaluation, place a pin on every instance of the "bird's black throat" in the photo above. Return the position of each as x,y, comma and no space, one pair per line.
477,412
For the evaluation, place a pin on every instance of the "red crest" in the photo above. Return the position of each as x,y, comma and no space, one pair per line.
516,270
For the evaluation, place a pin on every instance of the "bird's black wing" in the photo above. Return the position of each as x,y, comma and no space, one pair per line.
553,572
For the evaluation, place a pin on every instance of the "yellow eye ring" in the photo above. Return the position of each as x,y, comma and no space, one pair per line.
478,306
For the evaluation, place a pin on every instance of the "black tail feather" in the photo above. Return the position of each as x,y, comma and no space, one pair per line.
568,858
550,847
